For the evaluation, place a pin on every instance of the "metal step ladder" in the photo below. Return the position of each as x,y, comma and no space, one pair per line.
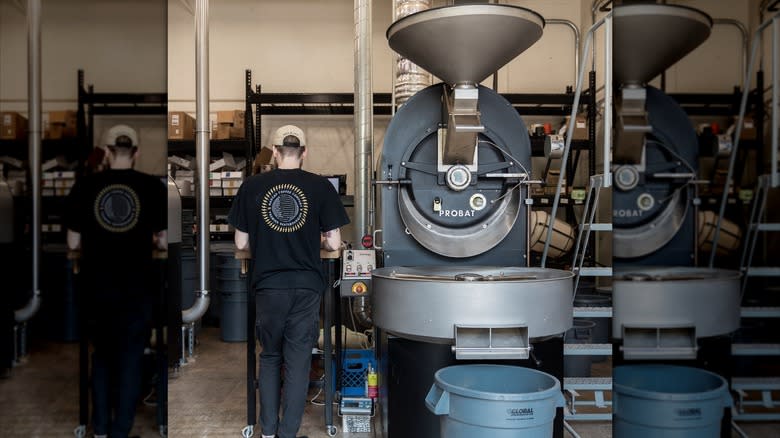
745,387
595,385
598,386
583,236
748,387
756,227
768,384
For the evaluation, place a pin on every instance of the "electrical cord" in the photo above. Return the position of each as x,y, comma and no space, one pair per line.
516,161
505,152
675,155
684,162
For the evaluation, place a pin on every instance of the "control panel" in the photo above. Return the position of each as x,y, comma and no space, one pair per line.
356,267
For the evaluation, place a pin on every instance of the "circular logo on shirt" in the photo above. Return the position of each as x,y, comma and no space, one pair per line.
117,208
284,208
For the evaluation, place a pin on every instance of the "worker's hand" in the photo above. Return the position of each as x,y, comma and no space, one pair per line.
74,255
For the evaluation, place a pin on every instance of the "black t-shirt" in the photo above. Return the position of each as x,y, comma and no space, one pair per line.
117,212
284,211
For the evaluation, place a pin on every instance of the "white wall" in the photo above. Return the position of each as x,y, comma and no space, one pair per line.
291,46
120,44
716,65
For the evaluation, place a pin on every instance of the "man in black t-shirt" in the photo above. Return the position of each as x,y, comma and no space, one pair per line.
285,216
116,218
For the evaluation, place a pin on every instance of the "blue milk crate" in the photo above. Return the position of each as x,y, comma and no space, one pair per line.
354,371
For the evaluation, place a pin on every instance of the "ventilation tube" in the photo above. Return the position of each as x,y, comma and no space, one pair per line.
202,298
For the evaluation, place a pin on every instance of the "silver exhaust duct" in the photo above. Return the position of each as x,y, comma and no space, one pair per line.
364,123
34,142
409,78
361,308
202,153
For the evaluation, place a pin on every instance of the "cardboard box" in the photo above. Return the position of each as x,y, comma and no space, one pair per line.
220,228
230,124
12,162
580,128
232,174
181,126
181,162
226,162
237,133
215,191
230,192
234,118
748,128
12,126
222,132
59,124
64,174
231,183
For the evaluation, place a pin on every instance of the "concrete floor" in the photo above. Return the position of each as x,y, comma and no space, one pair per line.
207,398
41,397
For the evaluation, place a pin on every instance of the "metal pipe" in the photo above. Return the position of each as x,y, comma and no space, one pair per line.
34,145
364,124
774,179
361,308
183,359
576,31
738,430
570,429
202,153
597,4
608,89
570,129
743,30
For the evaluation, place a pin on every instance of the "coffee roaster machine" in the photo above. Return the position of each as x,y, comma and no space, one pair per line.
665,309
452,219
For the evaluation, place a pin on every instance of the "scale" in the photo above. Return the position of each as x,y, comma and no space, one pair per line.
356,414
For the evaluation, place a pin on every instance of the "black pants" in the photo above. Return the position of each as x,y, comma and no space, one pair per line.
287,327
116,374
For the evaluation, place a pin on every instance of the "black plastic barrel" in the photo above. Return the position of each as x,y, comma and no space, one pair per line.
580,333
600,334
232,289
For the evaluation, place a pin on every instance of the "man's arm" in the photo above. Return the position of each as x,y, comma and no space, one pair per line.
242,240
160,240
331,240
74,240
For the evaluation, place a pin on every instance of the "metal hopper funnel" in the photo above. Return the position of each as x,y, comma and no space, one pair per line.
463,45
466,43
649,38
